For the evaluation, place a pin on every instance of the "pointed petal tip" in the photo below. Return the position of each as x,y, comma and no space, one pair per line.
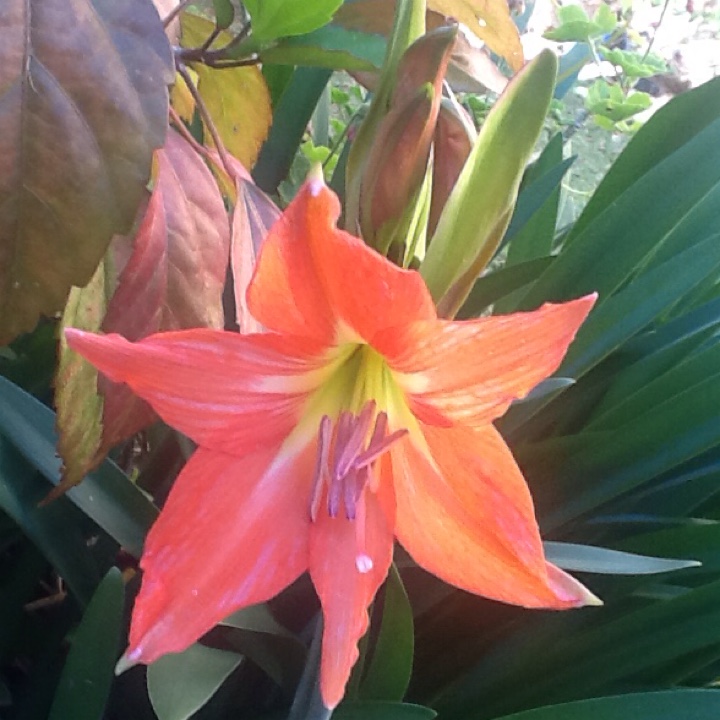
72,335
332,690
315,180
590,299
591,600
128,660
570,592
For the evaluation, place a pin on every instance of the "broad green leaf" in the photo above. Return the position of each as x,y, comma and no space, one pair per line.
478,210
83,103
85,682
256,618
273,19
237,99
611,101
54,529
179,684
382,711
635,64
388,674
669,705
585,558
332,47
224,13
576,26
107,496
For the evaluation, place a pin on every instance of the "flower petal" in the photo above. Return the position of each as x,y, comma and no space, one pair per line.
469,372
228,392
465,514
313,279
233,533
345,592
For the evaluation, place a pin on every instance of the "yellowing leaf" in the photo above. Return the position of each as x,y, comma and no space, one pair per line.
79,405
181,98
239,104
237,99
490,20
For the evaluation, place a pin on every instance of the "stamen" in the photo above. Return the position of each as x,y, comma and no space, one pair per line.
373,453
321,465
345,459
344,468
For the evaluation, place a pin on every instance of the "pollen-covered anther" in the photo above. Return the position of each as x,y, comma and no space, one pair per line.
346,455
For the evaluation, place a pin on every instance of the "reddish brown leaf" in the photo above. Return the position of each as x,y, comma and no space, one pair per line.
253,216
170,277
453,141
83,104
175,276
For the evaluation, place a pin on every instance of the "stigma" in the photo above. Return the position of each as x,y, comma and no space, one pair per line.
346,455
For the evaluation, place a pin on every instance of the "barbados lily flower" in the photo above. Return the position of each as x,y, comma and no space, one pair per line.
357,418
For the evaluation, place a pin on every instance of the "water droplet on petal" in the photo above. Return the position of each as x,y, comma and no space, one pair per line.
363,563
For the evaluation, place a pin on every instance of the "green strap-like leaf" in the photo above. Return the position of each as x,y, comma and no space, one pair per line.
106,495
88,673
671,705
388,673
585,558
54,529
382,711
179,684
291,117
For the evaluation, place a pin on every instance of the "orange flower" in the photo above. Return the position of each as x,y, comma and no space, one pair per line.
357,418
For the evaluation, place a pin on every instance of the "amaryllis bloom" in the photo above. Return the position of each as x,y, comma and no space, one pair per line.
356,419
